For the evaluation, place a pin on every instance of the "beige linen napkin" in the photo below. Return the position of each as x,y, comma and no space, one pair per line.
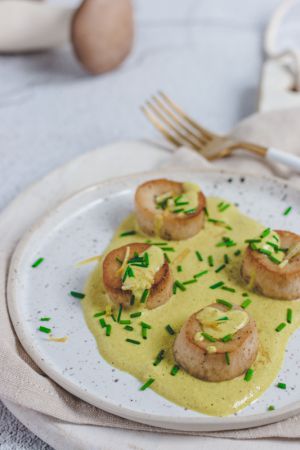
23,383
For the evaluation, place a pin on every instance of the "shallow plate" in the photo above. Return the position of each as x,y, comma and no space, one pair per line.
82,227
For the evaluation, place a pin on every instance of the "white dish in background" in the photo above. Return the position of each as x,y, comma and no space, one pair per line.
81,227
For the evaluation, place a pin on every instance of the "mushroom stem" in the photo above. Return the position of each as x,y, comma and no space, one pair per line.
27,26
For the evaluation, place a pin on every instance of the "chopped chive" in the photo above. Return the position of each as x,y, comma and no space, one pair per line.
210,260
178,210
189,281
45,319
274,246
287,211
211,220
119,261
227,358
168,249
146,325
128,328
206,212
167,258
227,338
264,251
180,285
289,315
146,259
174,289
273,259
99,314
246,303
265,233
102,322
135,314
128,233
190,211
237,252
200,274
228,289
169,329
132,300
181,203
252,241
216,285
208,337
248,374
179,268
113,317
37,262
226,259
271,408
281,385
108,330
128,273
133,341
224,207
178,198
174,370
147,384
119,313
160,356
223,318
45,330
225,303
220,268
160,244
145,296
245,294
198,255
226,242
125,322
77,295
280,327
144,333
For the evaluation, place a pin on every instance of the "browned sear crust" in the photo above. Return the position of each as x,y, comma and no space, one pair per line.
195,358
270,279
173,226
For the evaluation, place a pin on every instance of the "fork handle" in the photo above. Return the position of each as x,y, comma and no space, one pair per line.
279,156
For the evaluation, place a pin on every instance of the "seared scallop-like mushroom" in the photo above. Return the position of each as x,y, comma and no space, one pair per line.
160,291
274,280
168,225
216,361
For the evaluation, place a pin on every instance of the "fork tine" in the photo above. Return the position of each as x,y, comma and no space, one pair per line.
206,133
169,113
160,128
184,138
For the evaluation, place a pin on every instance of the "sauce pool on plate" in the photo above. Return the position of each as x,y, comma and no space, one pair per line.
135,341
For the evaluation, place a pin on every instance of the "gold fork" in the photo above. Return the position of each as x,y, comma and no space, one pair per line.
180,129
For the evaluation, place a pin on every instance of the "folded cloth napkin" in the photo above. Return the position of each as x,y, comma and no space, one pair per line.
23,383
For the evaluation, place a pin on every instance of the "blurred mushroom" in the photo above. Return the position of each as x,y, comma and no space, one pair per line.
101,31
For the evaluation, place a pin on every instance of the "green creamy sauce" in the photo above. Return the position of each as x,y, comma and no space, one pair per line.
218,399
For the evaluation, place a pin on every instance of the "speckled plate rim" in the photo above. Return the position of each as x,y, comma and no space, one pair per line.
201,423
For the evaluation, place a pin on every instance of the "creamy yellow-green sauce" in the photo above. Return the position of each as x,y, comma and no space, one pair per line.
218,323
213,398
143,276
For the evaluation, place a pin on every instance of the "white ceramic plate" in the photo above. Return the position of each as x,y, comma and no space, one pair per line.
81,227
